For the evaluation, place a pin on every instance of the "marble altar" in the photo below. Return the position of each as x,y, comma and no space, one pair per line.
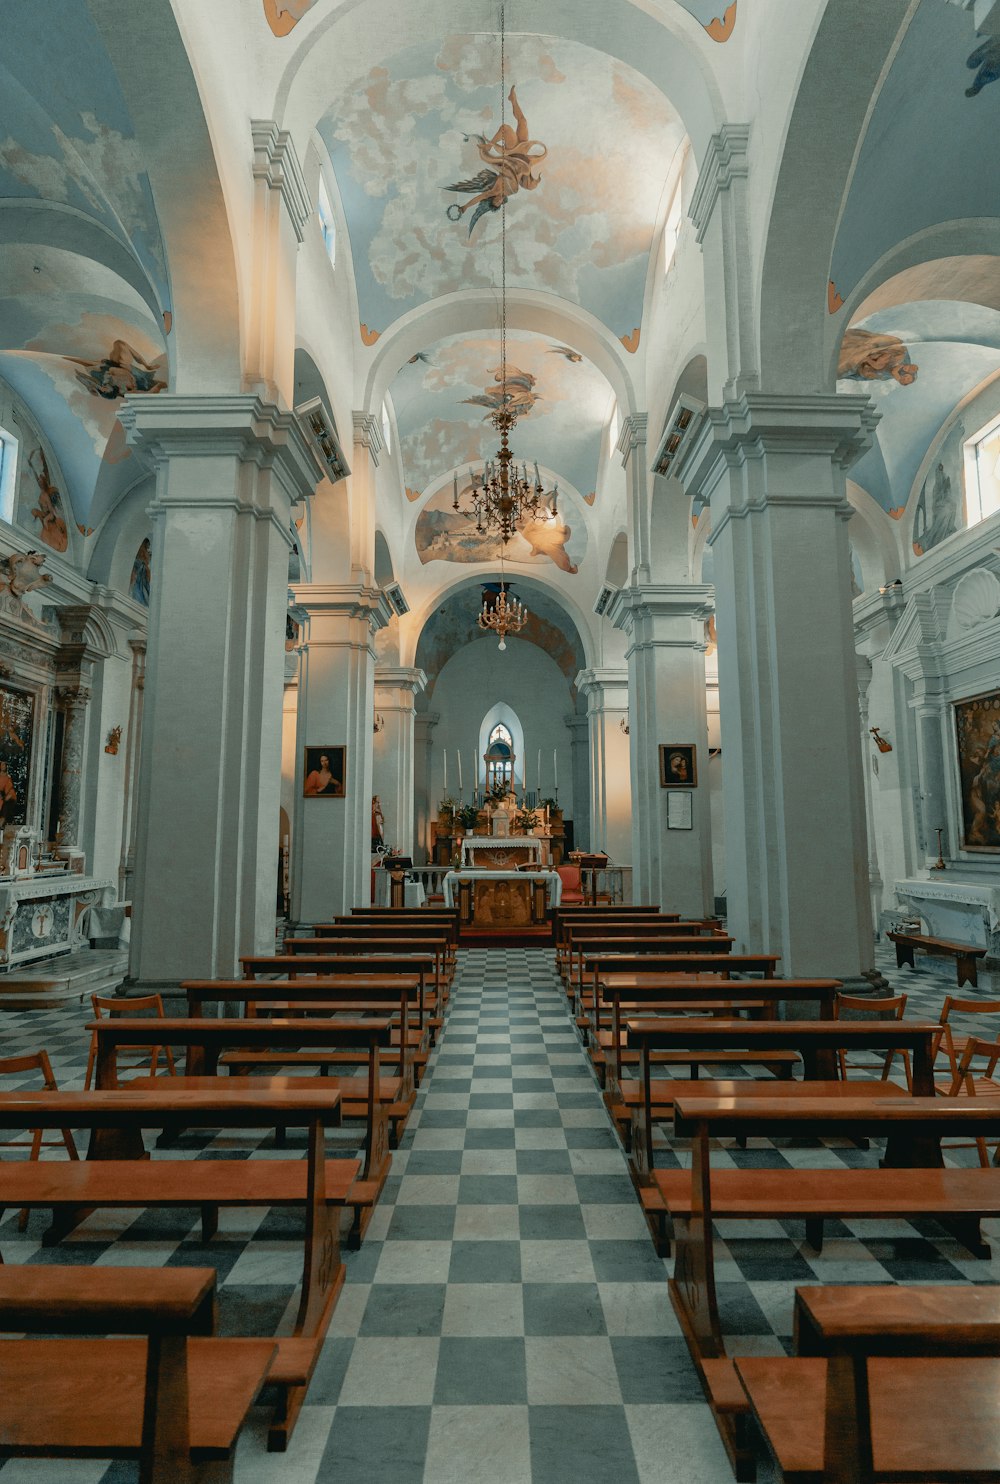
41,916
499,852
964,911
502,898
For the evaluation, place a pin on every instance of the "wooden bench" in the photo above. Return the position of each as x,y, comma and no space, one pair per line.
116,1175
600,963
633,937
914,1368
207,1040
356,943
335,966
964,954
912,1184
565,917
175,1398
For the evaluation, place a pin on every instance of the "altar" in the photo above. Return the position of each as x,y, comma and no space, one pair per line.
498,852
44,915
956,909
502,899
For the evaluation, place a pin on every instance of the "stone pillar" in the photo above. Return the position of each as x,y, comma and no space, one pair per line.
930,708
228,470
632,447
720,213
393,769
74,701
864,669
331,837
425,807
610,785
667,703
133,746
579,731
367,447
281,208
773,468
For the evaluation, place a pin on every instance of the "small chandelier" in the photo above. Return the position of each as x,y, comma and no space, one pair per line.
501,616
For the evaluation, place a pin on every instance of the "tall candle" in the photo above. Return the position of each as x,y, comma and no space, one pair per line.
459,757
555,767
445,754
538,773
475,773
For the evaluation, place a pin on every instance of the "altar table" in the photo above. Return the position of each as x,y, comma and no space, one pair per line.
502,898
504,852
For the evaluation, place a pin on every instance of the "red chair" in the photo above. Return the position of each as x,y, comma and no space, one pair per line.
572,885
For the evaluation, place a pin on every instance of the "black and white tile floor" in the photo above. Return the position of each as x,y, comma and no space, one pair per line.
507,1319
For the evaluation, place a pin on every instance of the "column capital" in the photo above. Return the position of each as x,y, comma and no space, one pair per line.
401,677
636,609
368,433
579,725
344,600
726,159
777,431
276,163
242,426
632,435
426,721
596,684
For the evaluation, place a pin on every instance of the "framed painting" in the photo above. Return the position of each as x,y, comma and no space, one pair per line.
17,728
324,773
977,727
678,765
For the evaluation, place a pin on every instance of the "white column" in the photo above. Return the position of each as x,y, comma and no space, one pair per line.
579,732
281,208
610,784
331,838
396,691
632,447
367,447
74,700
425,806
667,704
720,212
773,468
228,470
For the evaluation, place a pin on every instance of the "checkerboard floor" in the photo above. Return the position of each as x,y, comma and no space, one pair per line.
507,1318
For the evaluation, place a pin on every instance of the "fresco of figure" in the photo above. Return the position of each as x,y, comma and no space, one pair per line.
548,537
284,15
122,370
139,582
516,393
867,356
509,158
49,507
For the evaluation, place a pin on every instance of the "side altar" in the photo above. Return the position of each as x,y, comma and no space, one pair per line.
502,899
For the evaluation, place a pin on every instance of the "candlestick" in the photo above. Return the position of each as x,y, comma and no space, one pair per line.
445,752
459,757
555,769
538,773
939,864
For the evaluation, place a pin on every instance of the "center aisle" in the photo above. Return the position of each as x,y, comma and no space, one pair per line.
507,1319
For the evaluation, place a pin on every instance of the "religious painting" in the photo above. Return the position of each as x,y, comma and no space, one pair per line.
324,773
977,723
678,765
48,508
940,510
124,369
509,160
866,355
17,721
139,582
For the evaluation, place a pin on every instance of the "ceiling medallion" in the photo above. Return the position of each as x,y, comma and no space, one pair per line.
502,499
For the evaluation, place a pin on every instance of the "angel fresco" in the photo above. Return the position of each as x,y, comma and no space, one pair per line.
509,161
867,356
547,537
516,393
49,507
122,370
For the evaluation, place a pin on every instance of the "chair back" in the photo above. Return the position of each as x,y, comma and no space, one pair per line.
890,1008
572,883
148,1056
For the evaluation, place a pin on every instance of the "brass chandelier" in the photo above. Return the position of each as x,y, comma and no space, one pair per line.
502,498
501,616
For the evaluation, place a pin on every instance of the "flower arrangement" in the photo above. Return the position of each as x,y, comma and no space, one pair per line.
527,820
468,816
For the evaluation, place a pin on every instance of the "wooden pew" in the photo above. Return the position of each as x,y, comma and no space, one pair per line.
174,1397
444,921
964,954
598,963
911,1185
356,941
634,937
207,1040
914,1367
564,917
325,965
116,1175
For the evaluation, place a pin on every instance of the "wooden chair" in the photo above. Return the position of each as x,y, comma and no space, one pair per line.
150,1055
887,1009
35,1061
954,1045
966,1081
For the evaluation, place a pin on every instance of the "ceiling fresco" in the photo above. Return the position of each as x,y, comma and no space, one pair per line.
453,625
70,139
444,536
415,147
444,396
916,362
924,184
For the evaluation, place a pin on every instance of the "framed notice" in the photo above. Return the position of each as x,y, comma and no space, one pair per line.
680,814
678,765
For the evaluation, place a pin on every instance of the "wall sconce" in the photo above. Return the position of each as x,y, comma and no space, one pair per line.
624,725
114,741
880,742
378,725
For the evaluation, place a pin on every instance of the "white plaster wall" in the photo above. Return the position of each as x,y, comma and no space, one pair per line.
527,680
103,785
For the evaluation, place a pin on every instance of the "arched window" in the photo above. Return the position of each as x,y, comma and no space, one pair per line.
327,225
499,759
982,473
8,469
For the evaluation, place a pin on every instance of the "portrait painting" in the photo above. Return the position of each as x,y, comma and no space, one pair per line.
678,765
17,721
977,724
324,773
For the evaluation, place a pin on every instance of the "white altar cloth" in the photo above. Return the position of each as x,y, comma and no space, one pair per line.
414,894
476,843
551,878
965,911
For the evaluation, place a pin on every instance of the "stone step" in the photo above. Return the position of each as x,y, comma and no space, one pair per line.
63,980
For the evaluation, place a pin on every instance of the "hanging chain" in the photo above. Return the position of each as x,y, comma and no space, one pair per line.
503,206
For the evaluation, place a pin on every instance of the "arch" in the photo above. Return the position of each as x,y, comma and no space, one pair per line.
384,571
121,535
171,129
617,569
474,310
875,537
817,158
55,224
503,715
